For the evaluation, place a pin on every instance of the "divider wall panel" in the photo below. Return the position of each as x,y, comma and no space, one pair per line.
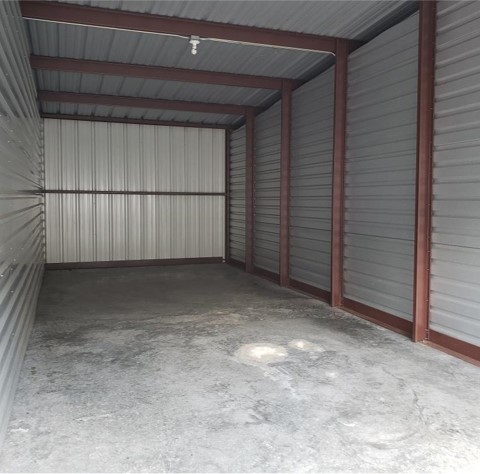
89,157
267,189
237,194
311,181
22,248
455,271
381,171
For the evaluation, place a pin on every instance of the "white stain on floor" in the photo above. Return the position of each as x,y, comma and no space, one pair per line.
261,353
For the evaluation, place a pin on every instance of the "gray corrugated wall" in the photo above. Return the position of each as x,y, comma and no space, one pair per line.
311,181
92,156
237,194
455,271
381,170
21,204
267,189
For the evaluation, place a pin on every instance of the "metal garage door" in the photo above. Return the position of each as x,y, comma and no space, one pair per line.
455,273
311,182
267,189
380,171
237,194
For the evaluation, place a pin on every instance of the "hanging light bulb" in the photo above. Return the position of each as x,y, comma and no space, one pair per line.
194,41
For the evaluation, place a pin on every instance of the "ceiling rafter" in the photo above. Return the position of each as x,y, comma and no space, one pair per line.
157,72
148,23
143,102
126,120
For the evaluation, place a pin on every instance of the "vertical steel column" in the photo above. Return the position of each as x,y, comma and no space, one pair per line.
426,87
227,195
285,156
339,147
249,189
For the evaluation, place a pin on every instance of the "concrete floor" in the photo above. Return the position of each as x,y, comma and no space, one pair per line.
204,368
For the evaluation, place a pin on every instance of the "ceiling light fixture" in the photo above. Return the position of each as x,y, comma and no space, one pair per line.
194,41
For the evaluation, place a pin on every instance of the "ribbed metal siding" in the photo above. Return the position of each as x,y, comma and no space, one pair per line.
455,271
120,157
237,194
21,204
150,88
381,170
348,18
311,182
267,189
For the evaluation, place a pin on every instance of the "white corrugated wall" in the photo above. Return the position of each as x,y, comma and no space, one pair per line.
95,156
238,147
311,181
21,202
381,170
455,271
267,189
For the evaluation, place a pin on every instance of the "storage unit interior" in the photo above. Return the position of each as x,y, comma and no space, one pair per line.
239,237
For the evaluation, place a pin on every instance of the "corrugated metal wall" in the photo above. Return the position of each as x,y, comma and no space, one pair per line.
237,194
455,271
21,204
267,189
381,170
311,181
95,156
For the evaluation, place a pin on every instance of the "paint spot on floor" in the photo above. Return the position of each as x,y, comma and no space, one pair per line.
306,346
261,353
94,417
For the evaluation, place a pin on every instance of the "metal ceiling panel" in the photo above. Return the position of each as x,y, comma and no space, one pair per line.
349,19
52,39
354,19
134,113
137,87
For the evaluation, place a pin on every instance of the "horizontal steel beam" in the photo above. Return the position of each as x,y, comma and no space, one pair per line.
132,263
147,23
142,102
165,123
157,72
132,193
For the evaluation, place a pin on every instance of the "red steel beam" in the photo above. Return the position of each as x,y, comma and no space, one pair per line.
455,347
426,86
339,149
227,195
148,23
142,102
249,191
165,123
132,263
285,158
131,193
156,72
377,316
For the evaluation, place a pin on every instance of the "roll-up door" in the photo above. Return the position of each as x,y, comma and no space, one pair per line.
381,171
455,271
237,194
267,189
311,182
